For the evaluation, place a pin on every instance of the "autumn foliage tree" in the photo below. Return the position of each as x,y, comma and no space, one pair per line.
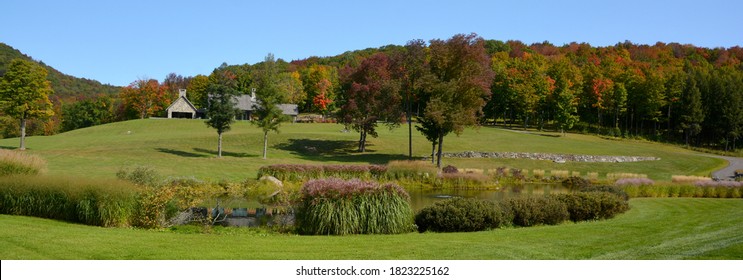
146,97
24,93
371,96
462,78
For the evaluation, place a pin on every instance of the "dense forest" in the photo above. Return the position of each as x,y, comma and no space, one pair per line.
663,92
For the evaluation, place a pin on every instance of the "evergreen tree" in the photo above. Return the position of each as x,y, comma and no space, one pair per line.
221,109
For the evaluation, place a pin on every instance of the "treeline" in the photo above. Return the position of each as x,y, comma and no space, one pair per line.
664,92
67,90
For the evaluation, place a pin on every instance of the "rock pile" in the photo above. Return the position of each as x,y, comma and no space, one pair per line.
552,157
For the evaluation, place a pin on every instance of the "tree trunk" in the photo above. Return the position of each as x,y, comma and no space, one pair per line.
219,146
433,152
23,135
440,153
410,128
265,143
362,137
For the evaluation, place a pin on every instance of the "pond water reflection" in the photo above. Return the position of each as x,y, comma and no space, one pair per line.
420,198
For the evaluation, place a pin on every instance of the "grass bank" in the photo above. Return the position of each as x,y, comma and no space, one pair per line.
188,148
654,228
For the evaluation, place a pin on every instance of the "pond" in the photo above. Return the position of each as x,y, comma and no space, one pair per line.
242,212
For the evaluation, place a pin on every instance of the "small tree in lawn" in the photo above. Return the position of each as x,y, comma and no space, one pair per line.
221,109
269,96
371,96
461,81
24,93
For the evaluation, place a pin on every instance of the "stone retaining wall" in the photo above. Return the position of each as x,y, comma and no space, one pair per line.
552,157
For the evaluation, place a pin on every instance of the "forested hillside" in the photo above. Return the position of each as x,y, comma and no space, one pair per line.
65,86
667,92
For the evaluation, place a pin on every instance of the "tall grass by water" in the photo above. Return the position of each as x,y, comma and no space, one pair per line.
92,202
20,163
338,207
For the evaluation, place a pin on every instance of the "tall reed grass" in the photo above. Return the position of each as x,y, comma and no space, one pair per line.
706,189
92,202
20,163
338,207
303,172
688,179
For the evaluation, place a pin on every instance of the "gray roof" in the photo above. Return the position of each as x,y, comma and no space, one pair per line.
245,102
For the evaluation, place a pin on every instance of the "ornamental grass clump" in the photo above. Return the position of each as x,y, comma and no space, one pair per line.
92,202
338,207
20,163
302,172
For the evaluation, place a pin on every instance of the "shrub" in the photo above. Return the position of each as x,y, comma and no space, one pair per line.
20,163
609,189
92,202
537,173
140,175
531,211
595,205
575,183
450,169
338,207
462,215
559,174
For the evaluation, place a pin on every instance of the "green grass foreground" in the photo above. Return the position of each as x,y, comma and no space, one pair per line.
178,147
655,228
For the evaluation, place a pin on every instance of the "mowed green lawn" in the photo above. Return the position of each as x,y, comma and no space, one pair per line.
188,148
669,228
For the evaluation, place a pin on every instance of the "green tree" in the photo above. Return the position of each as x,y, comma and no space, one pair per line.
462,79
565,79
87,112
197,90
24,93
269,115
692,115
221,109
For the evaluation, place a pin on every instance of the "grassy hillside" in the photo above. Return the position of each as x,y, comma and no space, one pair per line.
188,148
670,228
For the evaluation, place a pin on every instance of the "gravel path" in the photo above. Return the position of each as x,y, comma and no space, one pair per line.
728,173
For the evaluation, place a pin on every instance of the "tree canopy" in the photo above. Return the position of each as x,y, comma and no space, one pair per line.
24,93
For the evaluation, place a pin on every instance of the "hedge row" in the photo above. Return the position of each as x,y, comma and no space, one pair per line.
468,214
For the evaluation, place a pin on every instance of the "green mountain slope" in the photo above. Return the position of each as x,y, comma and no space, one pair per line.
65,86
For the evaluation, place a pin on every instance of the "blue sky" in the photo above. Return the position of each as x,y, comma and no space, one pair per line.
117,42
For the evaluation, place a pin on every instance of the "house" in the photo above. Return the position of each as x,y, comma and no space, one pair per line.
245,103
182,108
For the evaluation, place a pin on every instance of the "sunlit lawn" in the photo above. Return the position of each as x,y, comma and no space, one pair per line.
671,228
188,148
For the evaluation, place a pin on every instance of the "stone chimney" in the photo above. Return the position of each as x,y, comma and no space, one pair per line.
252,94
181,93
